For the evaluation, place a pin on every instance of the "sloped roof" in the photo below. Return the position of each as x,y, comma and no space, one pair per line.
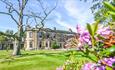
51,30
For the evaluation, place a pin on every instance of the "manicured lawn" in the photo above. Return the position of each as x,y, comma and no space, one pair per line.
37,60
32,60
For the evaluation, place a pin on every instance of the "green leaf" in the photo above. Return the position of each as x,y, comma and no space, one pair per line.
90,29
108,68
96,27
110,51
109,6
111,12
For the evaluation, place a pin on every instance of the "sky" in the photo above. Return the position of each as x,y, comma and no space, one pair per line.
67,15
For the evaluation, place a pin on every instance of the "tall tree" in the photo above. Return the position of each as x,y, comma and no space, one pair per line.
19,10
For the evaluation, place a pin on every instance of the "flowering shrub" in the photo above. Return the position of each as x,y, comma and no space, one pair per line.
99,51
99,42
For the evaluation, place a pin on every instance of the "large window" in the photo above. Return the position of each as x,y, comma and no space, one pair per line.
47,35
30,34
40,34
30,44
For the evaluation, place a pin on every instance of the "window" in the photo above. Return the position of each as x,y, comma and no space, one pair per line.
40,34
30,44
47,35
53,35
30,34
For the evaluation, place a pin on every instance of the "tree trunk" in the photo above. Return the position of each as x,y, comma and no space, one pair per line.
16,49
18,41
17,45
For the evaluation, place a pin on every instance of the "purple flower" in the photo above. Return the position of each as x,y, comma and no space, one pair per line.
84,36
108,61
104,31
80,30
92,66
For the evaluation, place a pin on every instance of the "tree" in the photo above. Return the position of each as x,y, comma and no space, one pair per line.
19,10
100,11
2,40
6,38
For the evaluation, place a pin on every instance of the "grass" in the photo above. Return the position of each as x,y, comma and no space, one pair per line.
37,60
32,60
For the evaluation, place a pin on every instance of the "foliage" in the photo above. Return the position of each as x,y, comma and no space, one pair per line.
55,45
98,41
6,38
92,29
74,61
2,39
100,11
111,9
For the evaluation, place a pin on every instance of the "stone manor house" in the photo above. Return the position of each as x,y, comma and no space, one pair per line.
43,38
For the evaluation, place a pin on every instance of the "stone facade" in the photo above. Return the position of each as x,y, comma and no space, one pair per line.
43,38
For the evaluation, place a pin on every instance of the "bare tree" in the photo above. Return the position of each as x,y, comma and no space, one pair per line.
22,4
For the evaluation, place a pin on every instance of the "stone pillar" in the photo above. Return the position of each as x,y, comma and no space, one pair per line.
62,45
27,41
35,40
48,44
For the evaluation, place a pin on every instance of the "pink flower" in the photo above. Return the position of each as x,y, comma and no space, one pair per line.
108,61
104,31
84,36
80,30
93,66
60,68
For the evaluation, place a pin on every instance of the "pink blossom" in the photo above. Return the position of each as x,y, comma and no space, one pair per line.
84,36
60,68
104,31
92,66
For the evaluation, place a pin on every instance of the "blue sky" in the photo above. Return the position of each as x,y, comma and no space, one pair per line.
67,15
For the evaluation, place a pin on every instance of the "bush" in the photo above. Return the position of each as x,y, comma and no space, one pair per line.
55,45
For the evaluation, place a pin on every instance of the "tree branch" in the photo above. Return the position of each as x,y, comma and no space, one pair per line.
11,9
10,16
44,11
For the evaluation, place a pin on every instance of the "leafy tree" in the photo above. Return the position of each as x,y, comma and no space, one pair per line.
6,38
100,11
2,39
110,12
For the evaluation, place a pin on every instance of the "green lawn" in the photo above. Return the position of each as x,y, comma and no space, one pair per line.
32,60
36,60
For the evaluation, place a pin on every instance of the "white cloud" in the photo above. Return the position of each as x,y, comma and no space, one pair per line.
63,23
80,13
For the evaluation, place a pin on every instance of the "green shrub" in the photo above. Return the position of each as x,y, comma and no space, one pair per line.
55,45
